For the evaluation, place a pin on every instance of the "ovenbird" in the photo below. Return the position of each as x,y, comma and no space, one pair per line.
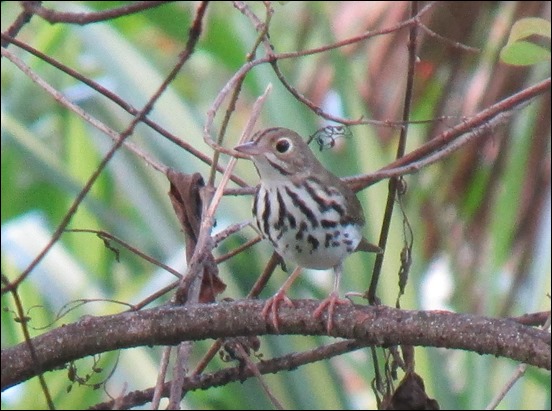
309,215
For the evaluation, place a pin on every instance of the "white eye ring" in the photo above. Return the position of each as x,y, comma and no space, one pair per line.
283,145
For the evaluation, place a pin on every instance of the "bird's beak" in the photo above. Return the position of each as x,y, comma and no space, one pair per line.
250,149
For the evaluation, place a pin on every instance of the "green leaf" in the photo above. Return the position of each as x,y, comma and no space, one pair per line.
528,27
523,53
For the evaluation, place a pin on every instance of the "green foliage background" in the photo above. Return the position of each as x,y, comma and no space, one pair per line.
48,153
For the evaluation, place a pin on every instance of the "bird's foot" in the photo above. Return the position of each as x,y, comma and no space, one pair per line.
329,303
271,307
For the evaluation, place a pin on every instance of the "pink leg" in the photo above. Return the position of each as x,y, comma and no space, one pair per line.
271,305
331,301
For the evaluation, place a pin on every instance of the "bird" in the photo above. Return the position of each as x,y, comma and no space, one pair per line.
311,217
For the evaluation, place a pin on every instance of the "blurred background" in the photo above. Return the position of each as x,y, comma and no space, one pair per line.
480,218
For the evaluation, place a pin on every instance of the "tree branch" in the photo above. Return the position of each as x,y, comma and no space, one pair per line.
379,326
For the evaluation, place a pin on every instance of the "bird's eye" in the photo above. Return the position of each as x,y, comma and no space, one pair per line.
283,145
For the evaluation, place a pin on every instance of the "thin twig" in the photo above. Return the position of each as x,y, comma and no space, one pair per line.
53,16
443,144
23,321
238,373
449,42
238,75
238,250
12,31
378,264
518,373
184,56
128,108
104,235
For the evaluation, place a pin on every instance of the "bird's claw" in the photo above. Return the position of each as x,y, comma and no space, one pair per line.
329,304
271,307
